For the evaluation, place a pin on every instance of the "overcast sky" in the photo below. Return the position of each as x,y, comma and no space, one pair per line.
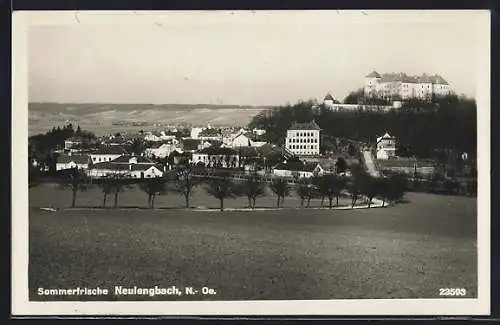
243,58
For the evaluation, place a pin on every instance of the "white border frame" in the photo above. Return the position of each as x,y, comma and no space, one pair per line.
444,307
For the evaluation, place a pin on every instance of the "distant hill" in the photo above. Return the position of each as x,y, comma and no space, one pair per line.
106,118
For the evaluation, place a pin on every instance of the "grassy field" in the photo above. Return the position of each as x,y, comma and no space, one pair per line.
406,251
50,195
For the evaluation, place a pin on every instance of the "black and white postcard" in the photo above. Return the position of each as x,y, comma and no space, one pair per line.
251,163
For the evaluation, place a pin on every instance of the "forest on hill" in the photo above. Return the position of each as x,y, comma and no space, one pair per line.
422,127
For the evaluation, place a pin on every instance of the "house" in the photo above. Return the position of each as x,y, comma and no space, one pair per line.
162,150
329,101
159,136
195,132
130,171
116,140
303,139
210,134
240,140
167,136
107,153
68,161
250,158
258,132
298,169
386,146
72,143
216,157
245,139
128,166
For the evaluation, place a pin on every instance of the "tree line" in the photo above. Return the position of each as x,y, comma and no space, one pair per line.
222,187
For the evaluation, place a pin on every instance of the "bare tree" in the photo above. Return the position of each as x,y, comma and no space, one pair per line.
329,186
222,187
152,187
355,191
392,188
281,188
186,182
34,176
305,191
113,184
253,188
107,189
76,180
370,187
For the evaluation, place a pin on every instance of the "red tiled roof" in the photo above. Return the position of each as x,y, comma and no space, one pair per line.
209,133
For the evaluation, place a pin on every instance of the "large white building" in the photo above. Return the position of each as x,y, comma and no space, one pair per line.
392,85
303,139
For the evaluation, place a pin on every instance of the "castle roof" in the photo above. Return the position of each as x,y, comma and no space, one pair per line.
109,165
305,126
403,77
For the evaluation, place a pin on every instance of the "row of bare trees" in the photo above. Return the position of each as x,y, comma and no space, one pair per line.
223,186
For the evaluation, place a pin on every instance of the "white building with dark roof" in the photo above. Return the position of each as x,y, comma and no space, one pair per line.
163,150
107,153
298,169
303,139
128,166
386,146
69,161
391,85
216,157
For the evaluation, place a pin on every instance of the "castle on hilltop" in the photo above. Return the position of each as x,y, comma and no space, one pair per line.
402,86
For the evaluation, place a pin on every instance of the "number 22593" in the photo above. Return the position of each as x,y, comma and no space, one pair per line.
453,292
